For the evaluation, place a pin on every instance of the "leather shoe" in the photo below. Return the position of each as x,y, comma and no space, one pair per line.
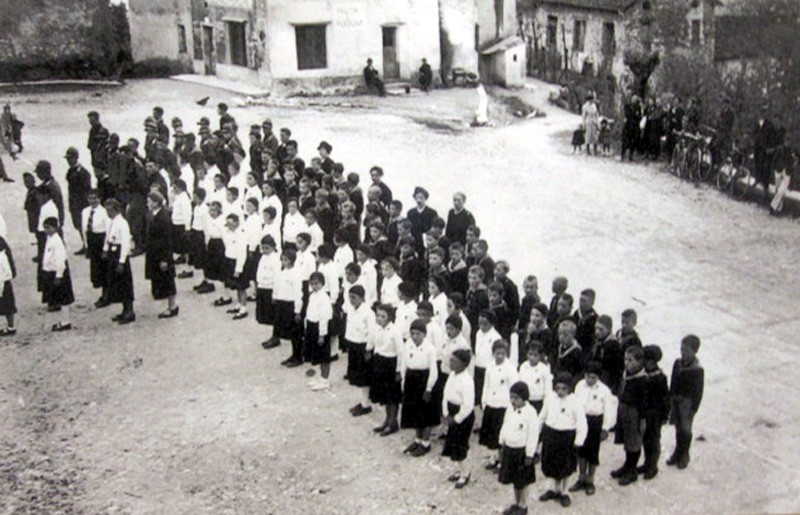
102,304
390,430
170,313
127,319
294,363
240,315
271,343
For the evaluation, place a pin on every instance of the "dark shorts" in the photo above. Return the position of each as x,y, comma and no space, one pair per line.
490,427
316,352
265,310
358,368
456,444
513,470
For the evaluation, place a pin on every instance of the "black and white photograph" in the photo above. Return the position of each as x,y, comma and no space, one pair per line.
399,256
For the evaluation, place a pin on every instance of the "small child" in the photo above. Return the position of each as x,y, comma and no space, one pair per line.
117,252
627,335
656,412
389,293
578,139
215,249
519,437
484,349
604,137
563,427
269,265
386,343
502,313
537,330
271,225
94,225
288,300
328,269
181,216
8,306
535,372
457,269
293,223
630,414
686,392
197,238
570,354
253,232
455,306
56,281
406,308
500,375
235,259
598,403
356,335
458,405
369,273
419,375
317,336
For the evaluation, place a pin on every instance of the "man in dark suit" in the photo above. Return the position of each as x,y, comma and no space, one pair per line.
764,143
372,79
425,76
137,187
98,141
79,182
162,130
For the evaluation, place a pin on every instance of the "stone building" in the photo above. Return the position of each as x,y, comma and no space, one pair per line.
160,29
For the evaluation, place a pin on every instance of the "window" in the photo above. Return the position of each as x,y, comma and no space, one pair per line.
197,40
578,35
237,41
552,31
183,48
312,49
499,16
609,39
697,26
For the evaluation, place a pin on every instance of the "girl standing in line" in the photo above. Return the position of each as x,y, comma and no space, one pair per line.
56,281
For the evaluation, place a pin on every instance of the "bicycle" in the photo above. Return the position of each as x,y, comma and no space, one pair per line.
734,177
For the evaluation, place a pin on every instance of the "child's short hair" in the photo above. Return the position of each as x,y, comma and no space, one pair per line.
593,367
253,202
474,229
438,280
455,321
589,293
541,308
233,190
200,193
407,240
407,289
456,247
326,251
364,248
94,192
530,279
271,211
425,306
353,268
317,277
457,298
482,244
635,352
497,288
311,212
233,217
391,262
438,222
340,235
419,325
535,346
352,179
692,341
438,251
215,204
569,325
179,185
386,308
269,241
305,237
397,205
652,353
500,344
290,254
488,315
377,224
357,290
404,224
51,221
567,297
629,314
502,263
477,270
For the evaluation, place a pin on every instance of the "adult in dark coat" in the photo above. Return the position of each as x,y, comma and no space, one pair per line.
425,76
159,267
421,217
376,174
114,161
79,182
44,171
458,220
137,187
372,79
765,141
98,141
162,130
630,130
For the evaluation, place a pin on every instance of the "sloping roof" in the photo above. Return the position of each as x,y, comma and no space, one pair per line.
501,45
741,37
596,5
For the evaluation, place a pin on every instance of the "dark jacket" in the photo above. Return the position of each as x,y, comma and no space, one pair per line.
687,381
457,224
159,242
79,182
585,323
657,397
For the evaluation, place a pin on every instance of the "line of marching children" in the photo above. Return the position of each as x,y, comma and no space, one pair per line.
433,329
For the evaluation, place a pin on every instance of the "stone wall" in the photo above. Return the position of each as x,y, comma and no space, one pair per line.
155,29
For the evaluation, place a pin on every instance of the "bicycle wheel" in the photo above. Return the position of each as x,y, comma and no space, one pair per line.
740,183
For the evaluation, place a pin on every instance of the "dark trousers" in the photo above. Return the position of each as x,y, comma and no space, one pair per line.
651,441
763,165
136,215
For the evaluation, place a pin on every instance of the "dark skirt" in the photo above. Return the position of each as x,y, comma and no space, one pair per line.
215,264
513,470
559,459
438,387
358,369
456,445
162,282
590,451
416,413
251,266
490,427
119,285
57,294
265,310
97,265
233,281
197,249
285,326
315,352
8,305
480,377
180,240
628,430
385,388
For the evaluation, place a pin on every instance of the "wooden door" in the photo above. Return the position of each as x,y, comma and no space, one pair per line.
208,50
391,68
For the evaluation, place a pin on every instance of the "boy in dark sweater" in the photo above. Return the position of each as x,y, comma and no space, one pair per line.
630,413
686,392
586,317
656,410
457,269
627,335
560,285
607,352
505,322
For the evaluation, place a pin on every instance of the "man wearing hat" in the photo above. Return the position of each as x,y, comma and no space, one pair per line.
325,150
269,140
79,182
98,141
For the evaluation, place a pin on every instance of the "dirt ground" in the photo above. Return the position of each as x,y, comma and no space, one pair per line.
191,415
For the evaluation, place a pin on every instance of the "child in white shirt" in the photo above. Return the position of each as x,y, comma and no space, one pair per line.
317,336
500,375
518,438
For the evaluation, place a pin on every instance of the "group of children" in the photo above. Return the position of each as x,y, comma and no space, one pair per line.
433,328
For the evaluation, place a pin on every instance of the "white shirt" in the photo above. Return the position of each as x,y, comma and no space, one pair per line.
420,357
564,415
289,287
460,390
497,384
252,232
306,263
100,220
521,429
199,217
293,225
182,210
217,195
483,347
389,290
347,307
239,181
539,379
319,310
254,192
328,270
439,304
273,229
405,314
3,227
55,255
344,255
232,208
268,268
438,339
386,341
450,345
236,248
358,322
5,267
317,236
119,233
275,202
48,210
597,400
207,185
215,228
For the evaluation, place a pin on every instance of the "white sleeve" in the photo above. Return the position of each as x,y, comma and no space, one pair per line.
467,407
433,373
533,435
60,252
124,240
581,427
325,316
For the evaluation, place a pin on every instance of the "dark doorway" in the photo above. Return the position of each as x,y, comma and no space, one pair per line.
391,68
208,50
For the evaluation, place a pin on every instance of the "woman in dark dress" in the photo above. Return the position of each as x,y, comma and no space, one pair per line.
159,267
